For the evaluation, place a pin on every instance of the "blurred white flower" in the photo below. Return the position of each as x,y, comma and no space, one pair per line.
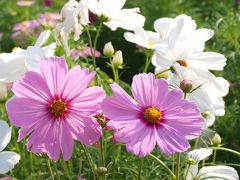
16,63
146,39
8,159
74,15
198,155
185,47
115,16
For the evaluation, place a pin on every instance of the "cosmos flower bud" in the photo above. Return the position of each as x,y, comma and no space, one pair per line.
216,139
101,170
186,85
118,59
108,50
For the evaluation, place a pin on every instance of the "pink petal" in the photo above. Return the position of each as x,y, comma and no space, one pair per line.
147,90
170,141
185,118
33,86
76,81
120,106
88,102
66,140
85,130
24,112
54,70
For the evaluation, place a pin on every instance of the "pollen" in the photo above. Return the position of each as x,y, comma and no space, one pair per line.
182,63
153,114
58,107
151,43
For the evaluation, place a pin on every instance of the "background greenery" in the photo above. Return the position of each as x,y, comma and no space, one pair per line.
223,16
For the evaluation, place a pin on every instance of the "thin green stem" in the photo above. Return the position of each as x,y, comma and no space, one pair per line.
56,170
178,166
173,162
164,165
140,168
116,74
227,150
95,45
188,166
147,62
117,157
89,160
161,72
102,151
50,169
196,143
214,155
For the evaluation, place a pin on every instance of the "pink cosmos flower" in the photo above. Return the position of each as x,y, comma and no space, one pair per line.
84,52
156,115
25,3
55,107
49,19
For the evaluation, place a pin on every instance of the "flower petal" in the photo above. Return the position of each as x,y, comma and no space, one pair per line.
7,161
5,134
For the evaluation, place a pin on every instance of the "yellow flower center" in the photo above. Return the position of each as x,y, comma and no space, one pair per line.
182,63
58,107
153,114
151,43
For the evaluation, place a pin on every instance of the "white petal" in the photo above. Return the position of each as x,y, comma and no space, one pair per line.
199,154
218,173
108,7
42,39
163,26
12,65
209,121
163,58
33,56
127,19
83,13
5,134
3,91
192,172
207,60
7,161
93,6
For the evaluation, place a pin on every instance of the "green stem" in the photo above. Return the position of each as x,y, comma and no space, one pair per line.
117,157
161,72
50,169
102,151
196,143
173,162
178,166
164,165
95,45
140,168
227,150
188,166
147,63
89,160
214,155
56,170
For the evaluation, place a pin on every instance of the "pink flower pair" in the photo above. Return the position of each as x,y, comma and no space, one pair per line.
55,106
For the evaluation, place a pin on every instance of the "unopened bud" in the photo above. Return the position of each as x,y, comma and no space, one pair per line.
216,139
101,170
108,50
118,59
186,85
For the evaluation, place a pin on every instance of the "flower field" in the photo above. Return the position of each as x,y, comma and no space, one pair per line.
119,89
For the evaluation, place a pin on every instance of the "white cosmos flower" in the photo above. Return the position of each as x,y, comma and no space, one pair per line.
146,39
208,172
74,16
185,45
8,159
207,98
127,19
16,63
